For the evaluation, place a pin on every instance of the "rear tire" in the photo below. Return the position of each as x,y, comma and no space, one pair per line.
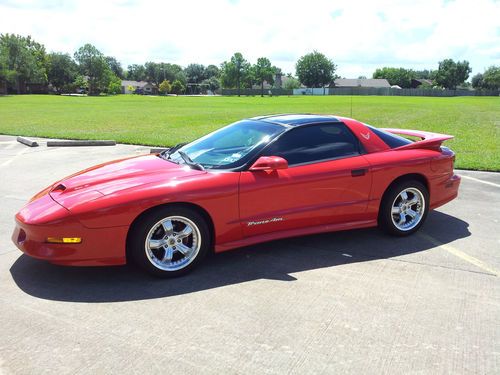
404,208
169,241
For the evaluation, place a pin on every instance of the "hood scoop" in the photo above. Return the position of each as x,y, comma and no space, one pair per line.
115,177
59,188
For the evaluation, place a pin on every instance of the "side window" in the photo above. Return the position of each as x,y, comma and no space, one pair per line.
315,143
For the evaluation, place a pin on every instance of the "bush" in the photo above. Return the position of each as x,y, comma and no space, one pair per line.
165,87
115,88
291,83
81,84
178,87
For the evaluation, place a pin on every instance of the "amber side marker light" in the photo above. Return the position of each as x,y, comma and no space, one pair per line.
64,239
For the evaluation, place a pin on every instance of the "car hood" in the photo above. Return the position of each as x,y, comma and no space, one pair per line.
115,176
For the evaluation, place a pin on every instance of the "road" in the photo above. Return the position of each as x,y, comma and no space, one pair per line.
347,302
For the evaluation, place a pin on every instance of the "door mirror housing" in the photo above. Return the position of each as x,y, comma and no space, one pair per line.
269,163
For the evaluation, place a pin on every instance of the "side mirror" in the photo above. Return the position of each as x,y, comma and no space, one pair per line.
269,163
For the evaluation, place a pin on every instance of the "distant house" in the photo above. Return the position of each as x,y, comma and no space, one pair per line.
419,82
279,81
364,82
139,87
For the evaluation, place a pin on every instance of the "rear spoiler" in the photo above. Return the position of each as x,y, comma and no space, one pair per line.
427,139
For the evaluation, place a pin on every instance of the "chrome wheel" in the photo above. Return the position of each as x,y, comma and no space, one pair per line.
172,243
408,209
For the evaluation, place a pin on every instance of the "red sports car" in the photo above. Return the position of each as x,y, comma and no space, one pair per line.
256,180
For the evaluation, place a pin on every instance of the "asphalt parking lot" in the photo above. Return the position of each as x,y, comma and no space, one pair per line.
349,302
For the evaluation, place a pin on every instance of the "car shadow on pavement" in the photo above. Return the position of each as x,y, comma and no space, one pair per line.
274,260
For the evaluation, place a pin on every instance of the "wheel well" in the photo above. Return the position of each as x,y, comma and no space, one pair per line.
192,206
406,177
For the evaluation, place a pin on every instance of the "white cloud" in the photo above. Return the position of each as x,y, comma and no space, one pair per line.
358,35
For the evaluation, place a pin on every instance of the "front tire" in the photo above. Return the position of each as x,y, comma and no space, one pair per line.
169,241
404,208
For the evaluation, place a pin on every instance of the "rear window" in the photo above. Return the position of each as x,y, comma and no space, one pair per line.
391,140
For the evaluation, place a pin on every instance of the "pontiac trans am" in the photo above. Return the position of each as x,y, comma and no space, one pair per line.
256,180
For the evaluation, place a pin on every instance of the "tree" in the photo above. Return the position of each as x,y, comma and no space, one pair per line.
115,85
291,83
396,76
450,74
41,61
165,87
212,83
62,71
263,71
23,61
195,73
178,87
315,70
3,68
212,71
236,72
491,78
153,73
93,65
478,81
425,86
136,72
174,72
115,67
424,74
158,72
81,82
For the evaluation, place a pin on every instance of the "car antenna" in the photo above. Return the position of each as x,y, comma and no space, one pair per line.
351,102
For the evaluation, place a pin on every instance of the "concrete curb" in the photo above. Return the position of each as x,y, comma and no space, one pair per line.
27,142
79,143
157,150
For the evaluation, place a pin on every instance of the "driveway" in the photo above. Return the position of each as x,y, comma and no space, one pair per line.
349,302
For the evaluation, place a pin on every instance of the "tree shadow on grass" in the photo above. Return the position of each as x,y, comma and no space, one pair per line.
274,260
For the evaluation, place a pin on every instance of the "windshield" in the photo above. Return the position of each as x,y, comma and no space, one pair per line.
229,147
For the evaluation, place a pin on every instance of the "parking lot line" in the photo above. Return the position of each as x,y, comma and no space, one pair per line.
7,162
460,254
478,180
10,145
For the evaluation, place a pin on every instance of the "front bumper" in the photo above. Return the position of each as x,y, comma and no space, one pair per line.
99,246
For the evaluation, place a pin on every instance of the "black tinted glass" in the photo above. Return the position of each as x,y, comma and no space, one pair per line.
315,143
391,140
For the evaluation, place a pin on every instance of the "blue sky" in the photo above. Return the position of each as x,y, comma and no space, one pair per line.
358,36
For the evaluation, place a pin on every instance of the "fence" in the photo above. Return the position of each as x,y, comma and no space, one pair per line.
383,91
256,92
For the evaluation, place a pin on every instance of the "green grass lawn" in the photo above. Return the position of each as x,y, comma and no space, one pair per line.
164,121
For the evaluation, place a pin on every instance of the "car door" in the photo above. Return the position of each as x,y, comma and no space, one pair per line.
328,181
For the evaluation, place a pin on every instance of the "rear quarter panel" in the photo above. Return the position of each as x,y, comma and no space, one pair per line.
387,166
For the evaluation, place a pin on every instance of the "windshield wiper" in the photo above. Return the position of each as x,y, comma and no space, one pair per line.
166,153
190,162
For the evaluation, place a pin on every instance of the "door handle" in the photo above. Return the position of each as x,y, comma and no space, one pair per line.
358,172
